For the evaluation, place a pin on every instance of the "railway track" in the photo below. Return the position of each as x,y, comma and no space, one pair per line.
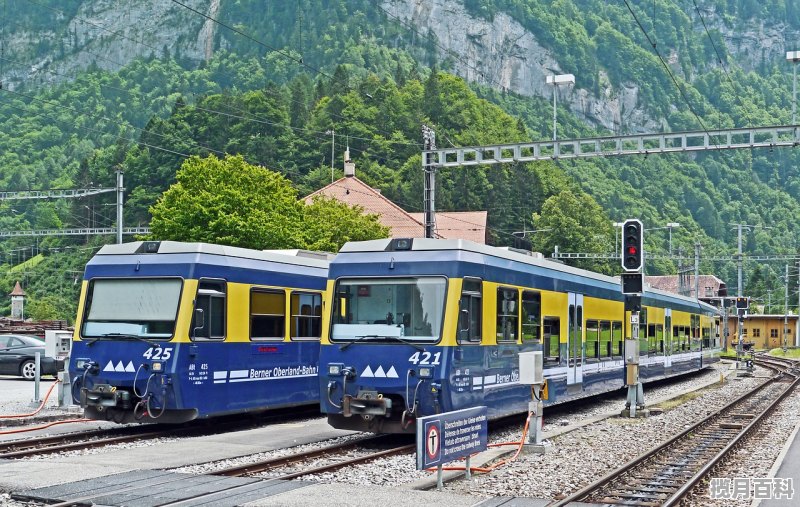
667,474
83,440
336,457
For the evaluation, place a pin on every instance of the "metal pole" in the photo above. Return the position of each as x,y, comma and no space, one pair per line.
37,377
786,311
739,262
670,241
794,91
333,150
429,142
554,108
797,325
119,204
697,270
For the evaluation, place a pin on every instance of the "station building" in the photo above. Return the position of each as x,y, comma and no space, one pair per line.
765,331
469,225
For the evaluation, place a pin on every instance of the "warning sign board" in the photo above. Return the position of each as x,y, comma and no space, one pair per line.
449,436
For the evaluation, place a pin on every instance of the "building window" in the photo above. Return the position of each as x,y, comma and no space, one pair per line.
756,333
773,333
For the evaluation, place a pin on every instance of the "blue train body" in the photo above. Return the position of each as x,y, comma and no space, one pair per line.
424,326
170,332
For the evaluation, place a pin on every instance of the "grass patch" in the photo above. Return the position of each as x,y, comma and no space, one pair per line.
791,353
680,400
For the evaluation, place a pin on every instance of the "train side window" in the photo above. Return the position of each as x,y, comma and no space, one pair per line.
660,338
306,316
471,308
592,341
531,316
551,329
616,338
605,339
208,320
507,312
676,338
267,314
652,343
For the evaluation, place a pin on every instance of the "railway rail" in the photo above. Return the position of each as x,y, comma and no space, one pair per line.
16,449
387,446
668,473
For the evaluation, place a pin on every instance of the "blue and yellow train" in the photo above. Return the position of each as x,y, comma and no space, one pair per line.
170,331
422,326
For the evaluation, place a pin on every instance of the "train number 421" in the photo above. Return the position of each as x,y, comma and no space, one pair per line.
424,358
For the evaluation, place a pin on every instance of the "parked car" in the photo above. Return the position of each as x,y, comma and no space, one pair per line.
18,356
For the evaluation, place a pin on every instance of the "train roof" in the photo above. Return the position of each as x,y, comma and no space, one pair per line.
292,256
531,258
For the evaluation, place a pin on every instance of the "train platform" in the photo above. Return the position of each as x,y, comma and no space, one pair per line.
787,466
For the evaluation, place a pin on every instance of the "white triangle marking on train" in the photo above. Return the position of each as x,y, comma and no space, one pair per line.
109,366
379,372
120,367
367,372
130,368
392,373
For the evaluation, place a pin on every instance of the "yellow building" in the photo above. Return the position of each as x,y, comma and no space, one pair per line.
765,330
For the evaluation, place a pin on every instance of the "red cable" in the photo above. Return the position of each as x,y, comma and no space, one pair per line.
20,416
54,423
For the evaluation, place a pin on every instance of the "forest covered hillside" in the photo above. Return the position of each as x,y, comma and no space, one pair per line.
89,86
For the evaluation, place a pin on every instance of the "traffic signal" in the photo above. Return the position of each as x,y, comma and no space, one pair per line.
742,303
632,242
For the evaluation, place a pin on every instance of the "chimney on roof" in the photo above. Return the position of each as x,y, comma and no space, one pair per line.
349,165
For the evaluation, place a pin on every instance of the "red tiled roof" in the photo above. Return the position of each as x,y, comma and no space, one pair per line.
670,284
17,291
469,225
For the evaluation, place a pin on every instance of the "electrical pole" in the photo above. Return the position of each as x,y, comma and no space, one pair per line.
120,190
429,142
333,148
739,263
786,310
697,270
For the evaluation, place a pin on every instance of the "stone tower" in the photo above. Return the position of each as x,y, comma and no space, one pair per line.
17,302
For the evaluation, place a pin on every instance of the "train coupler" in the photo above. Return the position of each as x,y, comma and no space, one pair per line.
366,404
105,396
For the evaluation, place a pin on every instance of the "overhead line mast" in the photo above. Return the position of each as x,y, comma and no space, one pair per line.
608,146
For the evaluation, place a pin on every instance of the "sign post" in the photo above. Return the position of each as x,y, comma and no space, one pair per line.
446,437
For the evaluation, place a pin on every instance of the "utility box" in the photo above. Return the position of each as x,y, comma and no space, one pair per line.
531,368
631,351
58,344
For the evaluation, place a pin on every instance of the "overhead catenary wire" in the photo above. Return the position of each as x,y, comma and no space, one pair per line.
666,67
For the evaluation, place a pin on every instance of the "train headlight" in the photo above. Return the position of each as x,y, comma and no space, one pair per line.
157,367
334,370
425,372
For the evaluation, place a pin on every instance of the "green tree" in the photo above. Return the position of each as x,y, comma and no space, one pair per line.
574,223
231,202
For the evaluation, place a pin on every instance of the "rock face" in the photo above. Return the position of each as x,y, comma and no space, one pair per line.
110,34
501,53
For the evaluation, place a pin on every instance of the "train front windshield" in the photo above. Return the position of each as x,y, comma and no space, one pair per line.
131,307
389,309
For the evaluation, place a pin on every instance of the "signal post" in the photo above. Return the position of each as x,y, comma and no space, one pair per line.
632,281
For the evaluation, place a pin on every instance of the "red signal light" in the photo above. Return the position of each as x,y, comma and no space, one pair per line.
632,250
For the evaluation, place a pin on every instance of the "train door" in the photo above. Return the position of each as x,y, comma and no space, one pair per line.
575,340
668,338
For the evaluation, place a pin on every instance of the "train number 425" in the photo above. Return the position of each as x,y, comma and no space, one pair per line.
156,353
424,358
